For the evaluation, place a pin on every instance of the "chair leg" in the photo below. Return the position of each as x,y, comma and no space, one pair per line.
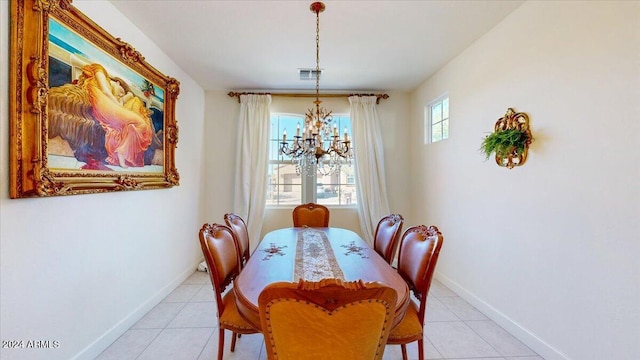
421,349
404,351
233,342
220,343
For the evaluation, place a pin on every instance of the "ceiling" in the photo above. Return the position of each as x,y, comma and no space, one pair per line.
364,45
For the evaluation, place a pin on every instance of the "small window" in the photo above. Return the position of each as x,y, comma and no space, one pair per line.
437,120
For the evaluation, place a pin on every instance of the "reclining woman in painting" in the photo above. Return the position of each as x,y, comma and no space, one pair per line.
76,120
126,122
74,124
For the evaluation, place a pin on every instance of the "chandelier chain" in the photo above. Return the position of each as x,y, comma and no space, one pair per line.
317,147
317,57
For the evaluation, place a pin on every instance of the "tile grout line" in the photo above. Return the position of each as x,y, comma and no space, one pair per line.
149,344
470,328
162,328
205,344
215,328
426,314
502,356
169,322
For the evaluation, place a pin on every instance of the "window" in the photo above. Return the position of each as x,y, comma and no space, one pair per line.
437,120
288,188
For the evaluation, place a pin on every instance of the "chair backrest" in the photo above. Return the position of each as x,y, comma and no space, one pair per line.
221,253
417,258
312,215
387,236
239,228
329,319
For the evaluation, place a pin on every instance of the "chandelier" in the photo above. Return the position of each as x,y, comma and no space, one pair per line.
318,145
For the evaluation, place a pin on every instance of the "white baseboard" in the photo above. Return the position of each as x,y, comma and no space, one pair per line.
95,348
543,349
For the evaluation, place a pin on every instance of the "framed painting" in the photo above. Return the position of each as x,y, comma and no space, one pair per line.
88,114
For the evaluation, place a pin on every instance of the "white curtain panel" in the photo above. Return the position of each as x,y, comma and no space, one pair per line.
369,164
252,158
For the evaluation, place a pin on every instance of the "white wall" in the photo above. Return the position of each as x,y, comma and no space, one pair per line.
82,269
222,116
550,249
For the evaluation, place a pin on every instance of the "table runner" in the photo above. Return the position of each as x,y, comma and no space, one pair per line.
315,259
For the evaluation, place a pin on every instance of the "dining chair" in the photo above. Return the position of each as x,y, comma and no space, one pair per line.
239,228
387,236
311,215
329,319
417,260
221,253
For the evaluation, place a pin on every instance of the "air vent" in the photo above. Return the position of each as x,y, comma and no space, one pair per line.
309,74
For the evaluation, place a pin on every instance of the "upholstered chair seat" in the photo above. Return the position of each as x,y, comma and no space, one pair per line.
409,329
231,319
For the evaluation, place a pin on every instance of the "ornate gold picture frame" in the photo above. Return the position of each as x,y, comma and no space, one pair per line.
87,113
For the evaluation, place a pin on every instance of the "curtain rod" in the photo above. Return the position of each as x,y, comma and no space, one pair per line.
237,94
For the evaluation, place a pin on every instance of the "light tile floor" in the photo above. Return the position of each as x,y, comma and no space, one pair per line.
183,327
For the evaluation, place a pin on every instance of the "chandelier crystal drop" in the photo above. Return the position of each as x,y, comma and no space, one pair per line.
318,145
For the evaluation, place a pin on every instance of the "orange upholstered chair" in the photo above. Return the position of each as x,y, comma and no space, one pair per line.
239,228
387,236
220,250
329,319
311,215
417,260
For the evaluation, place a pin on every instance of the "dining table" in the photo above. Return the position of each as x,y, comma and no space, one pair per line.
312,254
